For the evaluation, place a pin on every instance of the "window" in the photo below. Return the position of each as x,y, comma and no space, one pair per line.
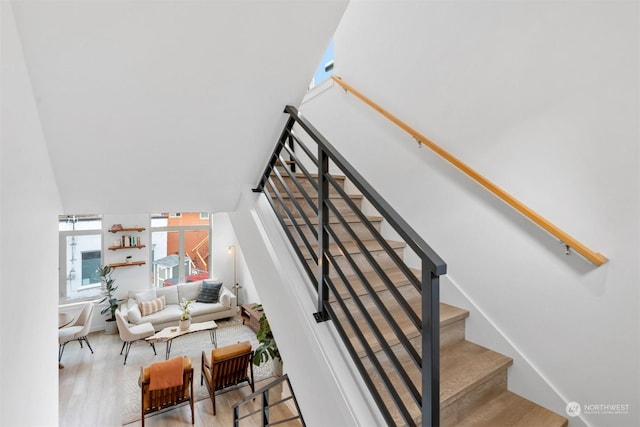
180,248
80,250
325,68
90,263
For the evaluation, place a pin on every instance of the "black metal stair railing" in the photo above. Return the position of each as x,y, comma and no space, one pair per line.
386,312
272,397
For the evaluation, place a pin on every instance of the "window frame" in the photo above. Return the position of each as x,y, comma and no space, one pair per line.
83,292
181,230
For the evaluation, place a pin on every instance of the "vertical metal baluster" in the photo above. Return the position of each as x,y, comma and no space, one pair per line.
430,347
323,236
265,407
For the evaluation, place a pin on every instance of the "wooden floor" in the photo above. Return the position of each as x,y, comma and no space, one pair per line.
88,393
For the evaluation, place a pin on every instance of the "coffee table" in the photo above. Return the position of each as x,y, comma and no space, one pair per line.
167,335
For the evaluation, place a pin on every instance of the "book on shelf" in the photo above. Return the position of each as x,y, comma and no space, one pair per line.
127,241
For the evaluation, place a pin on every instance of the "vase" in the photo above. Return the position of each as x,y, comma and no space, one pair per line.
277,367
110,327
184,324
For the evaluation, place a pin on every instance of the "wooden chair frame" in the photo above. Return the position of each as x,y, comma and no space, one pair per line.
165,398
225,373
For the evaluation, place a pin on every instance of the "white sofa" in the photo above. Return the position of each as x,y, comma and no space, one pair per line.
170,315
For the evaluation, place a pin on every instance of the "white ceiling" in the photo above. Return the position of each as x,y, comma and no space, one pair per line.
150,106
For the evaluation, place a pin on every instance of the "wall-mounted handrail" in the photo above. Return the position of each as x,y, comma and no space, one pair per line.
594,257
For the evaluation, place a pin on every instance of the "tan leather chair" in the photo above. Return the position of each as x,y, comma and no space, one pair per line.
131,333
78,330
158,399
225,367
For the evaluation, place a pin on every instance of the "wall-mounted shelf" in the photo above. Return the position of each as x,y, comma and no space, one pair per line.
115,248
126,264
127,229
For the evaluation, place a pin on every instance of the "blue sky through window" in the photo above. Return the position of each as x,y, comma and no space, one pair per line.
321,75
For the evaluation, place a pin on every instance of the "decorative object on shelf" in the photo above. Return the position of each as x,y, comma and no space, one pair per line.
128,259
267,347
115,227
185,318
109,300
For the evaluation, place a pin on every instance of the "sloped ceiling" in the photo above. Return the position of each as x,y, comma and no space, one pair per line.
150,106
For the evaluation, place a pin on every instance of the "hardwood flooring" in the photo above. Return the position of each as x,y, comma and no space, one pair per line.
88,394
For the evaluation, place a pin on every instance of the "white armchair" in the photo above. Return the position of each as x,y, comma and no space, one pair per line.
131,333
77,331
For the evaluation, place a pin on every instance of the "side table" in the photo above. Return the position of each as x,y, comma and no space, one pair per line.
250,316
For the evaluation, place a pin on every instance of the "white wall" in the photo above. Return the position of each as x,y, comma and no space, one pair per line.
223,236
328,387
541,98
29,245
126,278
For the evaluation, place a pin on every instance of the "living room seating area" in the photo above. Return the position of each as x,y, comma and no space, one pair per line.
162,309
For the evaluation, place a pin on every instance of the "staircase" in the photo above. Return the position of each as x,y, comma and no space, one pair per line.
384,310
473,384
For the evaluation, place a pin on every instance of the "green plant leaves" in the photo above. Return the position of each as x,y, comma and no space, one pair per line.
108,291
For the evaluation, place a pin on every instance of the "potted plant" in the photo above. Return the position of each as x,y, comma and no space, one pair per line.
185,317
267,347
109,300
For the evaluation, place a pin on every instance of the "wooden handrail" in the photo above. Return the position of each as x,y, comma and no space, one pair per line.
594,257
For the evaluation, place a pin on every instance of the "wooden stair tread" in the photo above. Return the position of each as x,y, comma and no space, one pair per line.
395,275
448,315
451,314
332,195
465,365
473,379
510,409
397,313
301,175
352,247
334,220
462,366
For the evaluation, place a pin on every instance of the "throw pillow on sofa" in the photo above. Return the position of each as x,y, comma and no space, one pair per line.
189,291
133,314
148,295
170,293
225,297
150,307
209,292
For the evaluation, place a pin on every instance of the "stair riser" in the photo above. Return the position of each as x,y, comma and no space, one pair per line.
381,258
473,379
308,187
452,333
340,204
451,415
361,231
449,335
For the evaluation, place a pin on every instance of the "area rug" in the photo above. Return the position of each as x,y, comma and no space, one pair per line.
192,345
